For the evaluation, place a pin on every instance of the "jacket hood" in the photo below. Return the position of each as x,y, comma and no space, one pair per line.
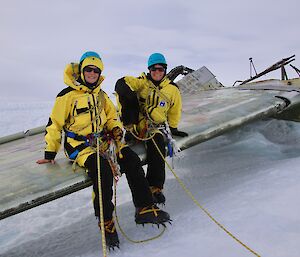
72,79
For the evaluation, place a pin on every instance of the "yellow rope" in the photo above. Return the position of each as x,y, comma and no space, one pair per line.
152,134
100,202
200,206
100,107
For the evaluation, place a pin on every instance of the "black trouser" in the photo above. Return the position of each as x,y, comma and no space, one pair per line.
130,164
106,185
156,165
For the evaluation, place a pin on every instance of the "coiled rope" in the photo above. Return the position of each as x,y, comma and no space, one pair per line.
188,192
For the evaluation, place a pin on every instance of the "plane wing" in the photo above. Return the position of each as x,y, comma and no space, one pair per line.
209,110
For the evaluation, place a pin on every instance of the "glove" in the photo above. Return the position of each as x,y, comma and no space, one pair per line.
176,132
117,133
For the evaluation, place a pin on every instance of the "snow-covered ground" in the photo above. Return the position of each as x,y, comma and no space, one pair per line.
248,180
17,116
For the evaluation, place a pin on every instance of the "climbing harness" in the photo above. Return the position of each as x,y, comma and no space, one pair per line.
200,206
91,140
172,149
147,133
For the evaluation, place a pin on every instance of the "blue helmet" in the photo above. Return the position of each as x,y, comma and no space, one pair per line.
156,58
89,54
90,58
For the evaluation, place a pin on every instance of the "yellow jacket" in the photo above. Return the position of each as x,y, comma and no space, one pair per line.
76,110
158,103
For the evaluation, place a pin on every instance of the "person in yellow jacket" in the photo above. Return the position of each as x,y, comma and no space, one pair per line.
151,101
84,112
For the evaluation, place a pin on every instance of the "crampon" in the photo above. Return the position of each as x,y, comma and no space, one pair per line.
152,215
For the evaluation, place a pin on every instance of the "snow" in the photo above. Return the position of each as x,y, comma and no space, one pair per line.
17,115
248,180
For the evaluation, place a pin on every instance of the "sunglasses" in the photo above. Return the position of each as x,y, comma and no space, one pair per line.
90,69
160,69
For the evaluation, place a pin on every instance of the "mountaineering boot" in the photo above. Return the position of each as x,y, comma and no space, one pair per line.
151,214
111,235
157,194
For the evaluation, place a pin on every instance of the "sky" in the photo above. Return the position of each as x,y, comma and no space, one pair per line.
38,38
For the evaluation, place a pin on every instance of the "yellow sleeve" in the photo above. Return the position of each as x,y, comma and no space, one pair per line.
134,83
59,115
174,112
111,114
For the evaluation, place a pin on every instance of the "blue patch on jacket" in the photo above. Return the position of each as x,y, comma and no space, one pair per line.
162,104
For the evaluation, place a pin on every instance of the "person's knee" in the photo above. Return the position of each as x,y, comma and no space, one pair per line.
130,163
91,165
129,156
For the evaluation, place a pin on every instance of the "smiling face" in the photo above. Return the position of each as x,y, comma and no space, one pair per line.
91,74
157,72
